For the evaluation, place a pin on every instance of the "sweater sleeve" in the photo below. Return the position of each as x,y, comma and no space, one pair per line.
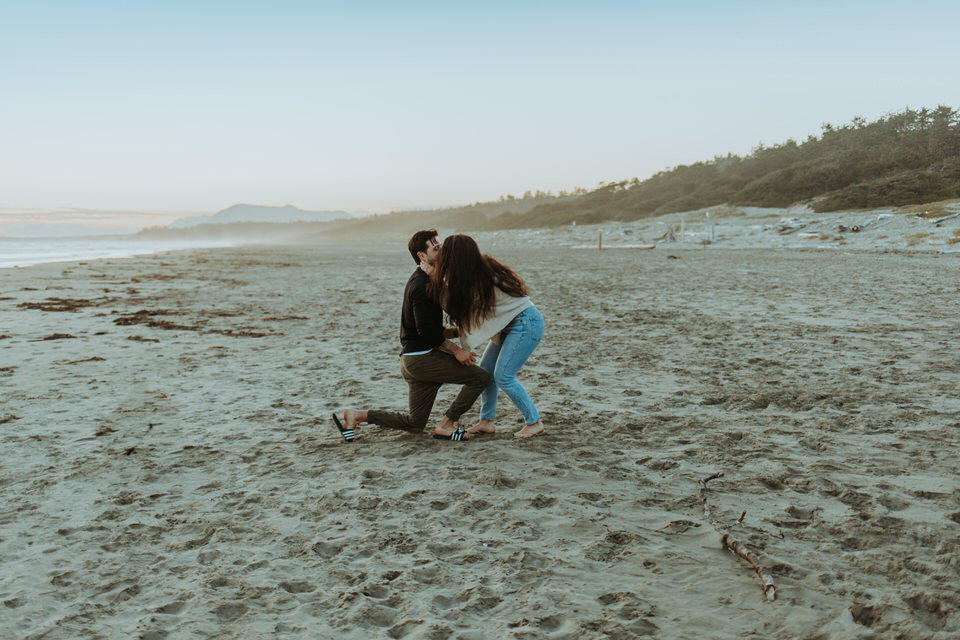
507,308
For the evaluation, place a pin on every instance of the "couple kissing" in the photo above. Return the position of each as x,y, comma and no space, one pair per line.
488,304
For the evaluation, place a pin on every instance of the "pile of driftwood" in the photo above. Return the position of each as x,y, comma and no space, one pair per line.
728,541
786,226
876,221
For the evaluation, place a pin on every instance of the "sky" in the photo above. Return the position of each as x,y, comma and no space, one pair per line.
155,110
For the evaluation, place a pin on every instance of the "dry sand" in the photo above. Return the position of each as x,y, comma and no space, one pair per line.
169,469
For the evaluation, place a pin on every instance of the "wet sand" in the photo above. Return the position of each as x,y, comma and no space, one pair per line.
170,469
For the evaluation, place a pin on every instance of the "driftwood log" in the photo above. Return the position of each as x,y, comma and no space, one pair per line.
728,541
939,220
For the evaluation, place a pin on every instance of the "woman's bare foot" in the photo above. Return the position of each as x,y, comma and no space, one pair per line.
484,426
530,430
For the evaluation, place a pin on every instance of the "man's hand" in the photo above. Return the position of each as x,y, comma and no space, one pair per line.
464,357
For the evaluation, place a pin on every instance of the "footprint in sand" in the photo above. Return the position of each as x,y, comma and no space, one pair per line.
929,610
62,579
559,624
541,501
230,611
377,591
405,628
172,609
297,587
326,549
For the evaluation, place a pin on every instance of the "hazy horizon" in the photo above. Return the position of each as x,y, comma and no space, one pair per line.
157,111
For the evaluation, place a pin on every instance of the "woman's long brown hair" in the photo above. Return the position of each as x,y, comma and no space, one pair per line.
464,281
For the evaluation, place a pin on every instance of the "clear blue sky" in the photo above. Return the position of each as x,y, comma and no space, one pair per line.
194,106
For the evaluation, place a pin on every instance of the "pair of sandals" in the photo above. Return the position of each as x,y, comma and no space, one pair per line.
350,435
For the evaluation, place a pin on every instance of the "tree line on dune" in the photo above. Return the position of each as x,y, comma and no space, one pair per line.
910,157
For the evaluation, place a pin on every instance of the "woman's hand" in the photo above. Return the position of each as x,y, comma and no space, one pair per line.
464,357
427,268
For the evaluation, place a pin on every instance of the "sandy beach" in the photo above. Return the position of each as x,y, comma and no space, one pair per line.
170,470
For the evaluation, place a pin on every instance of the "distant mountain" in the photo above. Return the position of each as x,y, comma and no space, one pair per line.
258,213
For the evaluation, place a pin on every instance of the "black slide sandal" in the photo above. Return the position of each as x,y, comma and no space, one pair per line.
347,434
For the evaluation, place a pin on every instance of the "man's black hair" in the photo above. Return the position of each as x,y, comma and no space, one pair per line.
419,242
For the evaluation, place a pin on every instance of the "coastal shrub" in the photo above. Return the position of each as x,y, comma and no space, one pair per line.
912,187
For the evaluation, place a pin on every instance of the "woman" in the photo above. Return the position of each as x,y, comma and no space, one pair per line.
487,300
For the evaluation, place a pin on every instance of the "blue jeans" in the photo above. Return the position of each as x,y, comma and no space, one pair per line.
503,361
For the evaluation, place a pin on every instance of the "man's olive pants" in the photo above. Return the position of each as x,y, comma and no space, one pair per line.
425,374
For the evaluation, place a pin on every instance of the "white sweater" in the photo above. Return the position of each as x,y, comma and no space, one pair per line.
505,309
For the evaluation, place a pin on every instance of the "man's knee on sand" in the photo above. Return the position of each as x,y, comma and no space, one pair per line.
417,421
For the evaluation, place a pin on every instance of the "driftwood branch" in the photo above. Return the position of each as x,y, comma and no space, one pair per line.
939,220
728,541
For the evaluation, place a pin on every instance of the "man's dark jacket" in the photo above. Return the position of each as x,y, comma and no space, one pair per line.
421,322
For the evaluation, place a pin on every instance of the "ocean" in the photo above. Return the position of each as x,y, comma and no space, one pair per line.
16,252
